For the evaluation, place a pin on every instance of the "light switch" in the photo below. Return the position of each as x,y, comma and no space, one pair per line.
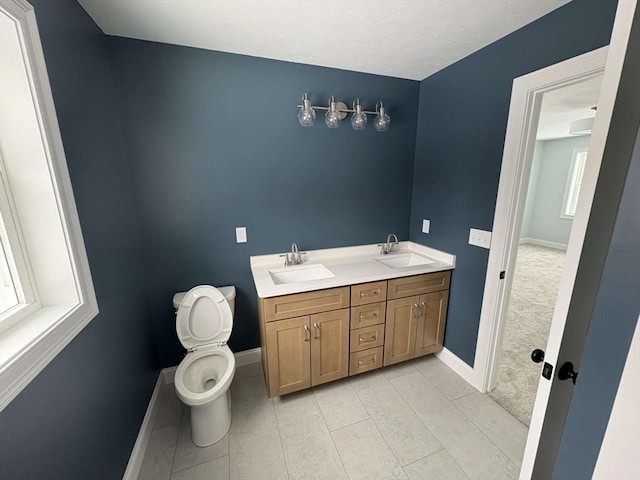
479,238
425,226
241,234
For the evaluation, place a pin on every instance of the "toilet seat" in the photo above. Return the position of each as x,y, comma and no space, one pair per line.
204,318
203,323
223,379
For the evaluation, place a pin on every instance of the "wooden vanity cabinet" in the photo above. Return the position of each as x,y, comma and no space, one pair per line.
316,337
307,350
415,324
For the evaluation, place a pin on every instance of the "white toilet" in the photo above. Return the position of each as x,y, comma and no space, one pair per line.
204,319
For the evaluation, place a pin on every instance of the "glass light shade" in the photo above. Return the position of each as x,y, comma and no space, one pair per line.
382,121
306,115
359,118
332,117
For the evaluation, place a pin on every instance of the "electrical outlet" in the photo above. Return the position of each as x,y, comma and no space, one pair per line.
241,234
479,238
425,226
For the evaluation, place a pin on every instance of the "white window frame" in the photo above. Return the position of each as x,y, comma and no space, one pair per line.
573,180
34,340
17,258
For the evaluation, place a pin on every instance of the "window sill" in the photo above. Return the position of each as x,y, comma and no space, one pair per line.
26,348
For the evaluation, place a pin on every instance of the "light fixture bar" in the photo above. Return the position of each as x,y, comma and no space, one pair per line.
346,110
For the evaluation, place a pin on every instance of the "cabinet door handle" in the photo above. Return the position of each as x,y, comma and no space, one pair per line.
307,333
416,310
362,362
423,310
372,338
368,293
315,324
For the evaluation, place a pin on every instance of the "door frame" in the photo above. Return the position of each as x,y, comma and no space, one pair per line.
524,112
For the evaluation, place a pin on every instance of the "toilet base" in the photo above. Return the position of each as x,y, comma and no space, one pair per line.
211,422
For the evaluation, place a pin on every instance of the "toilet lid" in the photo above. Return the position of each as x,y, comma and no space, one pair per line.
204,317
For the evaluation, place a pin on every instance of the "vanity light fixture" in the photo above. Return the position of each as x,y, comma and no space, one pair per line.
337,111
306,115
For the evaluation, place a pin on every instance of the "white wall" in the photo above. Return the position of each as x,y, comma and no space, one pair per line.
549,172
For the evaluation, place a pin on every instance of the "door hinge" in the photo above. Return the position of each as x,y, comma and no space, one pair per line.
502,273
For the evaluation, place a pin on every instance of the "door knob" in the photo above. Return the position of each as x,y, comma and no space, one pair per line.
537,355
567,372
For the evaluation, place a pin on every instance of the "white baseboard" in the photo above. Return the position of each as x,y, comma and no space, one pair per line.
457,365
248,357
140,447
543,243
166,376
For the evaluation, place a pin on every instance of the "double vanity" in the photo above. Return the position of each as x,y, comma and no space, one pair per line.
333,313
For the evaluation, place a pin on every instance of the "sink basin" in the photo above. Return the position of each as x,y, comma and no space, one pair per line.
404,260
301,273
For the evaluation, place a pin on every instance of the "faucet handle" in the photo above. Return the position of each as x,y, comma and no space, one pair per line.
383,248
287,259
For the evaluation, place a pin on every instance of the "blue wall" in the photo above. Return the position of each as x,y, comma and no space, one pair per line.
462,120
79,418
215,144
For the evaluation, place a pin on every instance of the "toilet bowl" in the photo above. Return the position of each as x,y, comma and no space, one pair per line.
204,319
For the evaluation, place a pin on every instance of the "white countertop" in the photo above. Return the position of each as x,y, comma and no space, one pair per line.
349,265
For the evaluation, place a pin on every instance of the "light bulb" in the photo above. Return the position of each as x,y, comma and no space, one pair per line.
382,121
332,117
359,118
306,115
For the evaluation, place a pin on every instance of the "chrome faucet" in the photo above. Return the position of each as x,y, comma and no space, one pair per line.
390,246
294,257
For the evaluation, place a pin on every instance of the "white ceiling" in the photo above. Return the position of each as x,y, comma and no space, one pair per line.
560,107
400,38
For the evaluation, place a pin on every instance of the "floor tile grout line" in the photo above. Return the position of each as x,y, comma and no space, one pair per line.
376,425
487,436
329,431
427,426
175,449
284,455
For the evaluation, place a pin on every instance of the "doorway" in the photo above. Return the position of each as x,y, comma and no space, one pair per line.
559,159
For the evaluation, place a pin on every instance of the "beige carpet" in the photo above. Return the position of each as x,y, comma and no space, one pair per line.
533,297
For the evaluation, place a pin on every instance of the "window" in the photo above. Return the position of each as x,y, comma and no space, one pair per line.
574,181
46,292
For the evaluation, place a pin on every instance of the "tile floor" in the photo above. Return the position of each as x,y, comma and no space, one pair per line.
417,420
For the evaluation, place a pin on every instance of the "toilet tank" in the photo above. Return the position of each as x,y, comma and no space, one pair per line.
228,292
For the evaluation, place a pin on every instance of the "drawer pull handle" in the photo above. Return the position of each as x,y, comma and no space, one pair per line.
307,333
369,362
366,316
315,325
372,338
369,293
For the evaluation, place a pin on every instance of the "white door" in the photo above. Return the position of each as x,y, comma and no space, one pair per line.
570,316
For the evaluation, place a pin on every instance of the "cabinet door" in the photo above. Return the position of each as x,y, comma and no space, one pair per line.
430,331
329,346
400,331
288,355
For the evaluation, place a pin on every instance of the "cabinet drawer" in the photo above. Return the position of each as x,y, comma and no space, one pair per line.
418,284
360,362
367,315
298,304
367,337
368,293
